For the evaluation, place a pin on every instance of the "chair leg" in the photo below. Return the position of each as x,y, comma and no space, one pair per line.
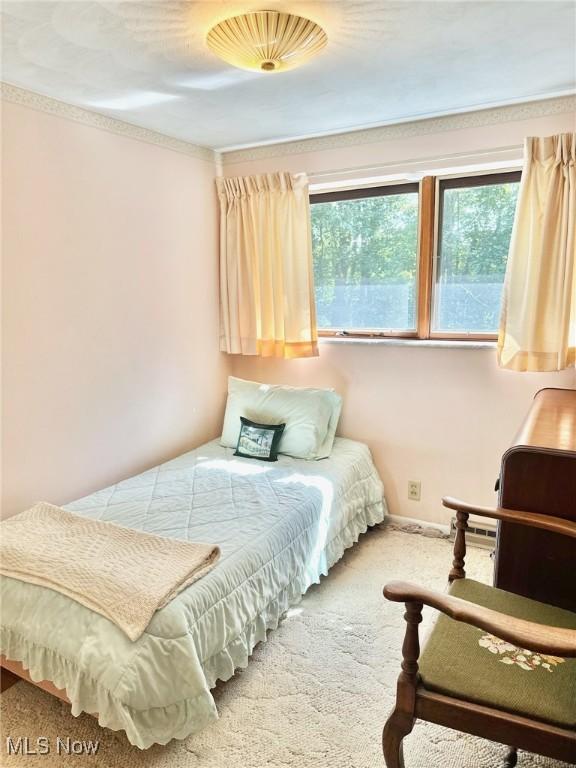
511,758
398,725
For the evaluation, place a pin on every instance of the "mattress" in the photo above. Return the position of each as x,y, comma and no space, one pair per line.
280,527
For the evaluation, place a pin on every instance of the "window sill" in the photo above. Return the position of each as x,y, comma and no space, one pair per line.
400,342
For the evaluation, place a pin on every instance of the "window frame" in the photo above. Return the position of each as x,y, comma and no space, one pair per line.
382,190
430,196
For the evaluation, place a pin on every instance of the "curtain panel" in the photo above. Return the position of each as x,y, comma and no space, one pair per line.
538,321
267,304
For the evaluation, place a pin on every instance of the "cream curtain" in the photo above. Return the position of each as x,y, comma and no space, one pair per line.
267,302
538,322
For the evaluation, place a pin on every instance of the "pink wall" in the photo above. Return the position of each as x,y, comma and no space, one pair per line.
110,321
441,416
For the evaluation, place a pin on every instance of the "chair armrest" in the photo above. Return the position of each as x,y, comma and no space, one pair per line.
532,519
539,638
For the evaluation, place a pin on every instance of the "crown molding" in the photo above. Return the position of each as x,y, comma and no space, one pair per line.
421,127
38,101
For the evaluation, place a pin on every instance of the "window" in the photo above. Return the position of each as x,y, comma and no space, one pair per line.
419,260
475,217
365,245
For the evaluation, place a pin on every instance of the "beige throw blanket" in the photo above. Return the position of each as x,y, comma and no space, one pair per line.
123,574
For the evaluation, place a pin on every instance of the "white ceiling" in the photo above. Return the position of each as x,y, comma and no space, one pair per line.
147,63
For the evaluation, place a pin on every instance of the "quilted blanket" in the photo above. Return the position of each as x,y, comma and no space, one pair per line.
123,574
279,527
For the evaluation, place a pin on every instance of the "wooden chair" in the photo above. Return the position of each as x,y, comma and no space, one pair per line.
496,664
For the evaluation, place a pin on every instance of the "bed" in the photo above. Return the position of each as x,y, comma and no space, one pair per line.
279,526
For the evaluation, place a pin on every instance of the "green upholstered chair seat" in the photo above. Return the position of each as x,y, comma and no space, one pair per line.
468,663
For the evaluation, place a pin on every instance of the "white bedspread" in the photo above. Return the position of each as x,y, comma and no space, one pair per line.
279,526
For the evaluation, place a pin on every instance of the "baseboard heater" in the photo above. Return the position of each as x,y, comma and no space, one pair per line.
478,534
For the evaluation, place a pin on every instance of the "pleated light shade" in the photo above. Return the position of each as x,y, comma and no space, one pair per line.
267,41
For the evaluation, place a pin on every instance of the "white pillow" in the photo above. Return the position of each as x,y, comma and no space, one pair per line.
311,415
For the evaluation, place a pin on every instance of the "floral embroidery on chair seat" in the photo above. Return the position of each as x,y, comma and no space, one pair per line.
528,660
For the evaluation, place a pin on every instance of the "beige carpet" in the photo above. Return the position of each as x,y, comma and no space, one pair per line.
316,694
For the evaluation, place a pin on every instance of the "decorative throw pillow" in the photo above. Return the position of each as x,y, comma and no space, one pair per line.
259,441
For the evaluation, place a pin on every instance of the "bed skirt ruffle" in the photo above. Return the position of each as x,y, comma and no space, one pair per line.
180,719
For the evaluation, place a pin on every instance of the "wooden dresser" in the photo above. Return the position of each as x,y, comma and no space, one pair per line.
538,474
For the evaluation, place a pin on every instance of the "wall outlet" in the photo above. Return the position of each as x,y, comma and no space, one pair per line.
414,490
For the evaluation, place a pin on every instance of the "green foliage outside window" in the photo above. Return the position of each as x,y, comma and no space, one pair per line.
366,263
476,228
362,249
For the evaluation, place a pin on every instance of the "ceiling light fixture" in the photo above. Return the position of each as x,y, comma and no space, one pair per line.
266,41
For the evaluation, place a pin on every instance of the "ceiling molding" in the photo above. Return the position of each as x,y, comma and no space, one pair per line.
421,127
26,98
473,119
